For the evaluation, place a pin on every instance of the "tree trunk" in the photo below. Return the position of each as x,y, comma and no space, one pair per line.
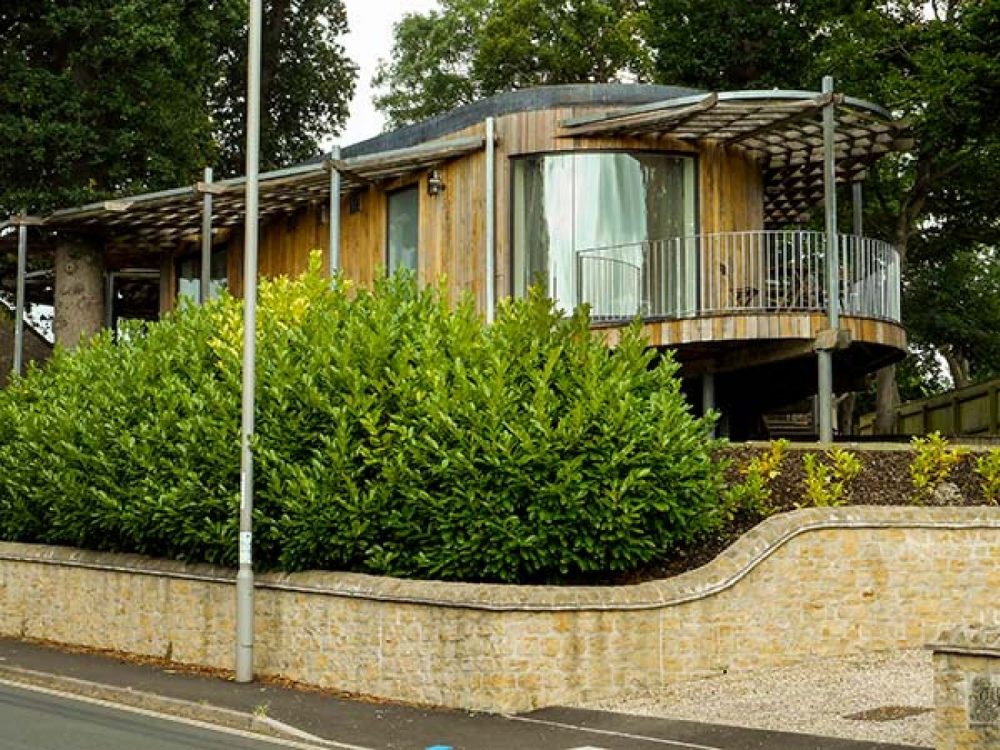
845,414
958,366
886,401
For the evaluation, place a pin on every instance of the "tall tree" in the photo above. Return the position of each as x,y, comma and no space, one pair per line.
753,44
474,48
99,97
103,97
307,82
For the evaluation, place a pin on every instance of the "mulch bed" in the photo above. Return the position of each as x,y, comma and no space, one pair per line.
884,480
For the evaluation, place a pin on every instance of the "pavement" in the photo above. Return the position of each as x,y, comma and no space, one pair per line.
321,719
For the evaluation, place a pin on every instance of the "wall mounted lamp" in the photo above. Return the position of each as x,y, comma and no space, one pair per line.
435,185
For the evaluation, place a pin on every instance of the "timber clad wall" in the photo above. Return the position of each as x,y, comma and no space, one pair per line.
452,224
812,583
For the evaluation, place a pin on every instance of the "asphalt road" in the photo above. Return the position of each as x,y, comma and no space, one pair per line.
31,720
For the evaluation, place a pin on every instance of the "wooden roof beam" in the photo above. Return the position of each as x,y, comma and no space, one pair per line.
658,118
801,110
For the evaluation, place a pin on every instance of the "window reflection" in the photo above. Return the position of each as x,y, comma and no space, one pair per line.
403,230
189,275
590,226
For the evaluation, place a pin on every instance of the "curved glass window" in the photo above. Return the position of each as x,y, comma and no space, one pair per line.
602,228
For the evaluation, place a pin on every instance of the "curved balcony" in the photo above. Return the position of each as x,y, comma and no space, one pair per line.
736,273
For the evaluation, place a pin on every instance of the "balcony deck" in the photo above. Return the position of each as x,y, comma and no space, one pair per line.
707,295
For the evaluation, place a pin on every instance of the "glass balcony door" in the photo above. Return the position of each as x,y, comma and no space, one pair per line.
595,227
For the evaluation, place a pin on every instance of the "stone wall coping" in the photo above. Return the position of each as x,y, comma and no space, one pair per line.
725,571
974,640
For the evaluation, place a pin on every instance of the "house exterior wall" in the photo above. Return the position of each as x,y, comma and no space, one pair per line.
452,225
812,583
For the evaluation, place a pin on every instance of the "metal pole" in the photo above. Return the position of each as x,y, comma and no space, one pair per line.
708,395
206,240
825,356
244,579
334,211
490,219
22,268
857,206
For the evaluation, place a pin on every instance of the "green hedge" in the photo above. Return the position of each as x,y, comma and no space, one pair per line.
396,434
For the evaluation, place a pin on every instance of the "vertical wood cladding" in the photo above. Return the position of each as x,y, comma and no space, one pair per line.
452,223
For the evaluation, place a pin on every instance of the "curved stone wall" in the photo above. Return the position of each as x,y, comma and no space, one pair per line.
815,582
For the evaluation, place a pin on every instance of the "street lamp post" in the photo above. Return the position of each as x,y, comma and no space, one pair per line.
244,579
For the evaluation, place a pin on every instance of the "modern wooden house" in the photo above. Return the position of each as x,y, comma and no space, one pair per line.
684,208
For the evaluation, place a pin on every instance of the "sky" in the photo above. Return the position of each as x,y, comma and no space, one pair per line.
370,38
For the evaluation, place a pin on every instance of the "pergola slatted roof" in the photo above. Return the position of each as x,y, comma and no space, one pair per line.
781,129
165,217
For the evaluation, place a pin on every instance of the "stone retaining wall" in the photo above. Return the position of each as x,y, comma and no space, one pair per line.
815,582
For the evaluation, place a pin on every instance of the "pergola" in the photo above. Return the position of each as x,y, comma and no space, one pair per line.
783,130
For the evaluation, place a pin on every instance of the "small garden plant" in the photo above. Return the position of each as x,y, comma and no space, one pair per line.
828,476
753,493
933,461
988,469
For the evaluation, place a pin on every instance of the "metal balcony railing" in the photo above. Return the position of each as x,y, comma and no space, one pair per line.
735,273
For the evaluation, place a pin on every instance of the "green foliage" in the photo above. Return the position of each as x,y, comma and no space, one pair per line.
988,469
753,494
100,98
827,477
307,82
395,435
719,45
470,49
933,460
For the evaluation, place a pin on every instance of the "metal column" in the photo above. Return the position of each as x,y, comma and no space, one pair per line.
244,579
490,219
205,288
857,209
825,355
334,267
22,269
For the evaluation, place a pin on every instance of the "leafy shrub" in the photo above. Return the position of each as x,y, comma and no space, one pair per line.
933,461
827,477
395,435
753,494
988,469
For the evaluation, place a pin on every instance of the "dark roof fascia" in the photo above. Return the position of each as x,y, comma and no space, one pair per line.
526,100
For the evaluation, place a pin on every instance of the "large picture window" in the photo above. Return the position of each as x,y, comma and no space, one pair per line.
595,228
403,230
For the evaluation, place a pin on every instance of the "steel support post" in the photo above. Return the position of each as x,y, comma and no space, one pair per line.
825,357
857,209
205,288
244,578
334,266
22,269
490,219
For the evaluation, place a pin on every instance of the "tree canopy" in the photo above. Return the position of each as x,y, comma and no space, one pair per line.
99,97
474,48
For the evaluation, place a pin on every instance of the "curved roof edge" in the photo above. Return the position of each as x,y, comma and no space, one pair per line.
523,100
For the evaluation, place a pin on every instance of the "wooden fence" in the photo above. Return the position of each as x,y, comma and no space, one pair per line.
970,411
